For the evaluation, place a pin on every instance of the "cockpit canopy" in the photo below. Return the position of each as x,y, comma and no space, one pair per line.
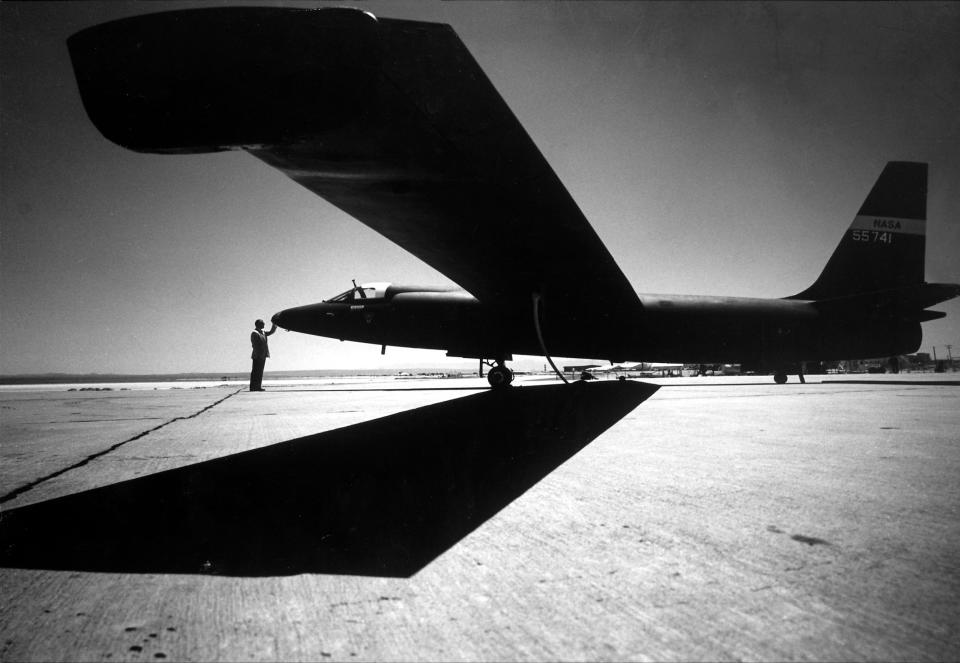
362,292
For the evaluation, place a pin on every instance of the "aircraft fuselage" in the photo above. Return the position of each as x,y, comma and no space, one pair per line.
666,328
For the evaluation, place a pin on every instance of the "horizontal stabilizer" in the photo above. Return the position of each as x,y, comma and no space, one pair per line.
907,303
927,316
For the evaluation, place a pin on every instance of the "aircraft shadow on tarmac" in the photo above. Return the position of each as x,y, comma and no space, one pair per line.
380,498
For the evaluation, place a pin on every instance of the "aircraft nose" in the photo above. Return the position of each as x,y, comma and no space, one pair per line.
310,319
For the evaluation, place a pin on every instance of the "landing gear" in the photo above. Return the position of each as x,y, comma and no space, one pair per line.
780,374
499,376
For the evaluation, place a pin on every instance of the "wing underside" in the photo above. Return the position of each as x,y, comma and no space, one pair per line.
391,121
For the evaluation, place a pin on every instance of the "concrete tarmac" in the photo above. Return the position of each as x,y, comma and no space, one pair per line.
721,519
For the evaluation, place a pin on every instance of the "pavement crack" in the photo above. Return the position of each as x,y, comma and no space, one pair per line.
85,421
16,492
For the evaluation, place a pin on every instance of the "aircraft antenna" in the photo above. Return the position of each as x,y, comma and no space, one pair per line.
357,289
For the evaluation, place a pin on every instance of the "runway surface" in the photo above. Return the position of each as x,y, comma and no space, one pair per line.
718,519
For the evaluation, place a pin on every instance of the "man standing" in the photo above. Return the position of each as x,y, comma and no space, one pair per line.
258,338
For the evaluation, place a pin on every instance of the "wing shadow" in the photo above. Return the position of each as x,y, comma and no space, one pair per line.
380,498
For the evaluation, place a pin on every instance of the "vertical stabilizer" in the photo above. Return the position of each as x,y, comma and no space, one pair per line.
884,246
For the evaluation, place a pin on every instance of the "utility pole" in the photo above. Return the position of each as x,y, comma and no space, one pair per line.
950,356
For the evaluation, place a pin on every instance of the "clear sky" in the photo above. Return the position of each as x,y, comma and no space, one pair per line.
716,149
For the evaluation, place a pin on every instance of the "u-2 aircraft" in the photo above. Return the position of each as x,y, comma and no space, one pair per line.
396,124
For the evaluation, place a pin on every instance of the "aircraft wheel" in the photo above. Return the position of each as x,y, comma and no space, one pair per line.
780,378
500,377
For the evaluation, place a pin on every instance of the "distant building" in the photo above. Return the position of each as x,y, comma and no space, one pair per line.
579,368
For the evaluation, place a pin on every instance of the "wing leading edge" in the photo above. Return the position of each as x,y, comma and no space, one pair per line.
392,121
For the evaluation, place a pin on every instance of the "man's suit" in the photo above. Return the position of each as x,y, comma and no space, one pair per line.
261,350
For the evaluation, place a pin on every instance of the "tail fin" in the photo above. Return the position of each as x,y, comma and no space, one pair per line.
884,246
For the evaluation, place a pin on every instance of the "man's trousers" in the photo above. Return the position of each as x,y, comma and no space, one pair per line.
256,373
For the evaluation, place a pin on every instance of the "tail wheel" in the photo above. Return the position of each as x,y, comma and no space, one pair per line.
499,377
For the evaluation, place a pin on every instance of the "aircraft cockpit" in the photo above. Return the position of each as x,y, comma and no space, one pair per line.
363,292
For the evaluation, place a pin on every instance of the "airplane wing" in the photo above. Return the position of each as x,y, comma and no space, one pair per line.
392,121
